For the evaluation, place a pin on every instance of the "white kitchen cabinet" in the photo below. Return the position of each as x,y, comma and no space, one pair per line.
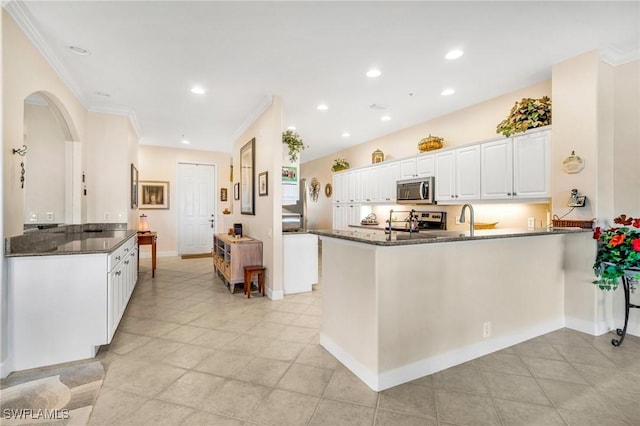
420,166
369,184
64,307
517,167
300,261
345,215
408,168
532,165
425,165
122,277
388,177
340,192
457,174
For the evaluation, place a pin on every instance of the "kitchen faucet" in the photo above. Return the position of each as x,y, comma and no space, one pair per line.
471,221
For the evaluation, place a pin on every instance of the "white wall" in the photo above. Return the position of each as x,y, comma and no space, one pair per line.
266,225
45,185
110,148
161,164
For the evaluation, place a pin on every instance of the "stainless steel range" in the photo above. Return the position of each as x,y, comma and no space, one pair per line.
416,221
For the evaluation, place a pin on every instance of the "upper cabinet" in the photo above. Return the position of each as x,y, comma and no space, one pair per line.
420,166
457,173
517,167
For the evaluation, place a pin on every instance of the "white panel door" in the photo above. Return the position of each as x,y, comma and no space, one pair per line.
196,207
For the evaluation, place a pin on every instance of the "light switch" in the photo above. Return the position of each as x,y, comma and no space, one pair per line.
33,217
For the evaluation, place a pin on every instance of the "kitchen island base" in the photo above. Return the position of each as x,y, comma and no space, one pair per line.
392,314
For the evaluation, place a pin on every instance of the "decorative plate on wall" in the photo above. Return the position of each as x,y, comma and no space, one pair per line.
572,164
328,190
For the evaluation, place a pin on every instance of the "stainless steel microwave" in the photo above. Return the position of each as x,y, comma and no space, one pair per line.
416,191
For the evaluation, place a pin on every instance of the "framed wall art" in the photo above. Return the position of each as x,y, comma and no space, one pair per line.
263,184
247,178
223,194
154,195
134,187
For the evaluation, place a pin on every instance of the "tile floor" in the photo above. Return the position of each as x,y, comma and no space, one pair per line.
188,352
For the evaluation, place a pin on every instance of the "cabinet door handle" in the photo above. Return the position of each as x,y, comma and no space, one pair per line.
126,262
515,194
508,193
118,272
117,257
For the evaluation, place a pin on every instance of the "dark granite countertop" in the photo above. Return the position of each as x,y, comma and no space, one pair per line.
378,238
63,243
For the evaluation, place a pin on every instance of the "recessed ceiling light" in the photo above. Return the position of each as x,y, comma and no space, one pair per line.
374,73
291,128
197,90
385,118
447,92
454,54
322,107
79,50
346,134
184,140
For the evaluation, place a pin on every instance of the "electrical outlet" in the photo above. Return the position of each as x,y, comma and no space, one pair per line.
107,216
458,220
50,216
486,329
531,223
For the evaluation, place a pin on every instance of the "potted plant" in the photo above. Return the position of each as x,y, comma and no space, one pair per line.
339,164
618,252
294,143
526,114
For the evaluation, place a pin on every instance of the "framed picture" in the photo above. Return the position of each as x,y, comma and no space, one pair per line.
134,187
236,191
154,195
263,184
223,194
247,178
289,175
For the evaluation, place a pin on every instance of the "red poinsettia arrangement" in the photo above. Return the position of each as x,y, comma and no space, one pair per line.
618,252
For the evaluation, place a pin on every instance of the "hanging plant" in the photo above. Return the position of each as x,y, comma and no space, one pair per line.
294,143
526,114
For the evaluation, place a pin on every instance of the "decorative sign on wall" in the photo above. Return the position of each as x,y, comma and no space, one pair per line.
572,164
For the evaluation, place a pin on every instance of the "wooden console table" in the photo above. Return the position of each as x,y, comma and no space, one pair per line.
148,238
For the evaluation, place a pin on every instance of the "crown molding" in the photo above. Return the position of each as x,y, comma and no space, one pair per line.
616,57
262,106
23,19
120,110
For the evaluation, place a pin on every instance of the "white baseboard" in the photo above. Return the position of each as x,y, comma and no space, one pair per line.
5,369
147,255
388,379
275,295
589,327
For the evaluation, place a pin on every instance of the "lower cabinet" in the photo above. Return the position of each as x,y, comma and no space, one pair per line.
345,215
62,308
121,282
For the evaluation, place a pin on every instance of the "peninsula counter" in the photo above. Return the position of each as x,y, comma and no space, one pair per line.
394,311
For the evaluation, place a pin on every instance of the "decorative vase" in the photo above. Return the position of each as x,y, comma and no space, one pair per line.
377,156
